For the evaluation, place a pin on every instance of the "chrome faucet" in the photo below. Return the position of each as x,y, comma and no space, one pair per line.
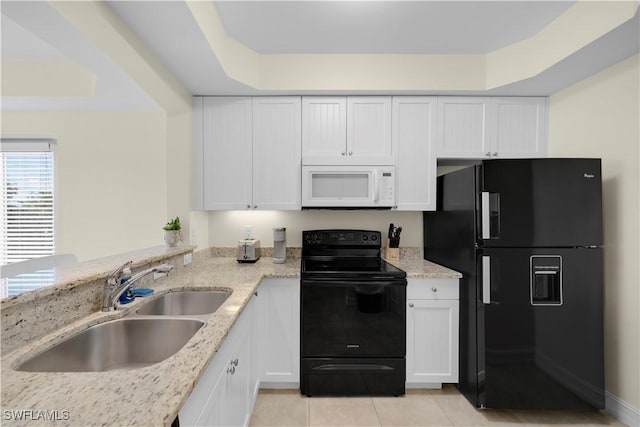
113,287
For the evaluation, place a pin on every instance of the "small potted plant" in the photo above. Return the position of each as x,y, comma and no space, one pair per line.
172,233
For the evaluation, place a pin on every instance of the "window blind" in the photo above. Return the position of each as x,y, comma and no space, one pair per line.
26,207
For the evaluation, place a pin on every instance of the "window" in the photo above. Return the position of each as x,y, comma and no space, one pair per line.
26,208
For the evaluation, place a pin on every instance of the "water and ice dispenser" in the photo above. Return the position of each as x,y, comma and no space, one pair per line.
546,280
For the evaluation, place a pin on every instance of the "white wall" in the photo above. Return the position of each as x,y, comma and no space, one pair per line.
225,228
111,177
599,117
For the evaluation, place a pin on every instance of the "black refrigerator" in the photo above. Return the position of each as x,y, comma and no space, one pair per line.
526,234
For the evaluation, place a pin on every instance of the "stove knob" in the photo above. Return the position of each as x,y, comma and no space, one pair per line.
365,237
374,237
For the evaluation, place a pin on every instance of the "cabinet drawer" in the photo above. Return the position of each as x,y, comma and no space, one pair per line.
433,289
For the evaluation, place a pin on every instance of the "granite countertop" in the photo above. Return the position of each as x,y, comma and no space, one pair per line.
152,395
419,268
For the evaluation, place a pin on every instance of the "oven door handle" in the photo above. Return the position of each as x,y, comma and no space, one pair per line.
352,367
352,283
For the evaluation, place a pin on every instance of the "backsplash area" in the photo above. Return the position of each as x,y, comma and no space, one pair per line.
227,227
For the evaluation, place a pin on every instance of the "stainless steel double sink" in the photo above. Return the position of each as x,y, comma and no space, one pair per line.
150,336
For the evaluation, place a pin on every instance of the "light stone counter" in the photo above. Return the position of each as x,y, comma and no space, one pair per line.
150,396
420,268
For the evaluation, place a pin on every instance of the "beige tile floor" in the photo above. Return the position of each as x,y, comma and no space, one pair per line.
446,407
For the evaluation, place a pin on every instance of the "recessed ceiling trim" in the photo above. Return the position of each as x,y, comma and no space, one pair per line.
581,24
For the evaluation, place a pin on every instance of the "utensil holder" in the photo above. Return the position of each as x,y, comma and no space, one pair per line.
393,253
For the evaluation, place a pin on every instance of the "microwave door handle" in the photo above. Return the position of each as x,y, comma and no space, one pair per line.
376,186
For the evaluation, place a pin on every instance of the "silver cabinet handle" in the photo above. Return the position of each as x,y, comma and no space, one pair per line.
344,153
234,362
351,153
231,370
434,289
486,280
488,154
495,154
410,305
255,206
248,206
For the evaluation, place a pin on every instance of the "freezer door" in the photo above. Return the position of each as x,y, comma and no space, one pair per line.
540,329
540,203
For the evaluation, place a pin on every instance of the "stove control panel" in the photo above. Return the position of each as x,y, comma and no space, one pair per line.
341,238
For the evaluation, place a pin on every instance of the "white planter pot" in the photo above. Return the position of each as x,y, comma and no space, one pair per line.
172,237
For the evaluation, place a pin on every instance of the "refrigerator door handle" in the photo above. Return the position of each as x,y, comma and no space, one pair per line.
486,216
486,280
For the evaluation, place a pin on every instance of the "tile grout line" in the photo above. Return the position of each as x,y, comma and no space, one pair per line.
444,412
376,411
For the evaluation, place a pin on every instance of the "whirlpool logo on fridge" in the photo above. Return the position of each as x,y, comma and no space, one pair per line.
588,175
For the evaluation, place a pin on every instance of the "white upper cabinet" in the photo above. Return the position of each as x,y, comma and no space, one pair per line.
414,131
520,127
369,130
227,167
324,127
496,127
276,153
247,153
347,130
462,127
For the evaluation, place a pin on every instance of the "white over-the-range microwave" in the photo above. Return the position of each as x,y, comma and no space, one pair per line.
348,186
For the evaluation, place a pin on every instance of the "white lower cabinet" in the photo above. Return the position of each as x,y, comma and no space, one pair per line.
224,396
262,349
432,332
279,337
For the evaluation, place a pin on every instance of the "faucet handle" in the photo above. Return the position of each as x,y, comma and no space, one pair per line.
114,278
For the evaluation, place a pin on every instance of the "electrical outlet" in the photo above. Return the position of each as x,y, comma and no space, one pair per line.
187,259
248,231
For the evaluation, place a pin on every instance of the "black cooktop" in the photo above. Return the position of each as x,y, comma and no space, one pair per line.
345,254
350,269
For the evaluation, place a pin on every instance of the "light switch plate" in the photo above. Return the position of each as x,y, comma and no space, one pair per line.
248,231
187,259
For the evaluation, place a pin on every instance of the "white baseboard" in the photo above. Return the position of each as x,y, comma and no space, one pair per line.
279,385
622,410
431,386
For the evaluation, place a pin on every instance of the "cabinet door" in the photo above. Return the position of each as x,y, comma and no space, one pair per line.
324,129
227,167
520,127
280,347
369,131
276,153
462,128
217,411
239,396
414,135
432,341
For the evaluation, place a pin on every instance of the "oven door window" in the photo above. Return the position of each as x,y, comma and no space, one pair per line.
345,318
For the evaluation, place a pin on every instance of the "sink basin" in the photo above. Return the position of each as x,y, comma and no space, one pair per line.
118,344
191,303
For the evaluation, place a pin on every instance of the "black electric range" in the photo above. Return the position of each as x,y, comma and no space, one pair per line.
352,316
